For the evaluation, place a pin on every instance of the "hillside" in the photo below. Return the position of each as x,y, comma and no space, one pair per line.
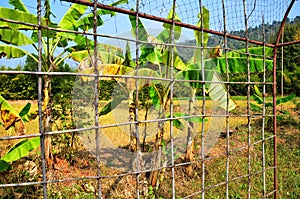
254,33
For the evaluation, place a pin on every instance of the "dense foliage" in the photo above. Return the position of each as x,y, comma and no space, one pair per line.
291,59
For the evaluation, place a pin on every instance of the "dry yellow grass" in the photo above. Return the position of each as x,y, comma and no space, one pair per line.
119,135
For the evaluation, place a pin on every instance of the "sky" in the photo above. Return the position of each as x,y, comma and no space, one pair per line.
120,24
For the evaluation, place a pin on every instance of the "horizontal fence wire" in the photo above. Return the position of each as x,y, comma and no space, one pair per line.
239,17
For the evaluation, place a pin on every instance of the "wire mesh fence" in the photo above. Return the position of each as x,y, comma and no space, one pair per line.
152,109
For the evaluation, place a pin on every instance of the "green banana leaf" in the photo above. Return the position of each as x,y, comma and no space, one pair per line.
19,5
12,52
154,97
26,115
179,124
197,119
158,54
148,52
214,86
4,166
255,108
74,19
23,113
177,29
14,37
193,75
258,99
87,22
163,36
203,18
142,32
285,99
128,58
255,52
178,63
110,106
16,15
119,2
154,56
238,64
219,93
21,149
238,61
69,20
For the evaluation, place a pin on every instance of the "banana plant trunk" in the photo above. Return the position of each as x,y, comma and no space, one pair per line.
190,134
134,141
47,118
158,150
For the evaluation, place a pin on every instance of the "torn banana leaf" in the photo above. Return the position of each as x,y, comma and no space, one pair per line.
10,117
106,69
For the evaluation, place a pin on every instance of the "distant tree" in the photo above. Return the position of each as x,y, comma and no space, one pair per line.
291,60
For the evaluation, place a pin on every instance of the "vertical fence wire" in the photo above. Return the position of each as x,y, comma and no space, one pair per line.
171,98
96,97
275,125
263,126
203,104
136,100
227,101
246,17
40,90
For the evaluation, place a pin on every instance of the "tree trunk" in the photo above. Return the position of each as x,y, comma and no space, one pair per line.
134,141
190,135
158,151
47,119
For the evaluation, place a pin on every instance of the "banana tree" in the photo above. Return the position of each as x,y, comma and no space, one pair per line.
57,46
158,58
160,55
214,63
112,62
198,69
201,40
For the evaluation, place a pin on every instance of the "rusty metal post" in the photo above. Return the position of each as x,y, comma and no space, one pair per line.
276,46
